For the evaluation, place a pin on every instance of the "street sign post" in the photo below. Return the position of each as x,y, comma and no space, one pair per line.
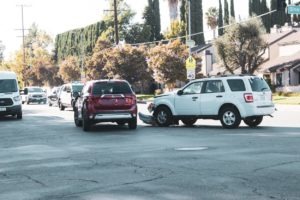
293,10
190,65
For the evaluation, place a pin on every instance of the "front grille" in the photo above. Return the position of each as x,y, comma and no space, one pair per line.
37,96
6,102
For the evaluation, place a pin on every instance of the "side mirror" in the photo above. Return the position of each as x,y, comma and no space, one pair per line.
179,92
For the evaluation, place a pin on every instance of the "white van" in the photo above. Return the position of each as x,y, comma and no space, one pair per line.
10,100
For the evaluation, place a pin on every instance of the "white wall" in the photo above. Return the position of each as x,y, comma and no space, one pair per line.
289,50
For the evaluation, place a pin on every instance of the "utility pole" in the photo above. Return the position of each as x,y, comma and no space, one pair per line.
23,38
116,22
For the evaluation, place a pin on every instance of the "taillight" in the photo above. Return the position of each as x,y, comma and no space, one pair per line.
248,97
130,100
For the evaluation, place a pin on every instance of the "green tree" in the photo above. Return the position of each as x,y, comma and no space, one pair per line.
277,17
232,12
69,69
128,63
124,18
138,33
266,18
197,21
95,64
241,48
168,62
226,12
212,19
2,47
220,20
176,29
152,19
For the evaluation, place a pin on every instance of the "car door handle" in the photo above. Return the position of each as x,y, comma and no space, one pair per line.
219,96
194,98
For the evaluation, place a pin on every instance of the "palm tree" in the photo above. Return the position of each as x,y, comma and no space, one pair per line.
173,9
212,19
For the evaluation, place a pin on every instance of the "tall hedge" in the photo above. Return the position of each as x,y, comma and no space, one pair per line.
70,44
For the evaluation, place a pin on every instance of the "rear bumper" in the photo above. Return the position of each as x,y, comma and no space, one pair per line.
259,110
113,116
12,110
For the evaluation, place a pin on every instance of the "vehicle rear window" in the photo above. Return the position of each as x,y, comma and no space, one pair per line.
101,88
8,85
236,85
30,90
77,88
258,84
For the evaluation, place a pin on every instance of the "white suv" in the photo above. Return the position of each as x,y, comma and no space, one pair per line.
229,99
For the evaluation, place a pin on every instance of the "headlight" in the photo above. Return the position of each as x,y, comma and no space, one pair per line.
17,98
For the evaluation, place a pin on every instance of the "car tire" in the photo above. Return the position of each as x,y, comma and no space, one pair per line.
253,121
86,124
189,121
61,107
19,115
132,124
23,102
28,102
77,121
230,117
163,116
50,104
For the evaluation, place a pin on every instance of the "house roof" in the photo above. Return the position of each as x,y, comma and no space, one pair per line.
200,48
281,62
276,37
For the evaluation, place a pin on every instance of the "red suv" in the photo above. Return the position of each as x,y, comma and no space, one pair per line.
105,101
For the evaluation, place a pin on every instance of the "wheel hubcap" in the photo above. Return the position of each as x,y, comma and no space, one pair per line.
162,117
229,118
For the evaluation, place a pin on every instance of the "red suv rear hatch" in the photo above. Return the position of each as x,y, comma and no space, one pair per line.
112,95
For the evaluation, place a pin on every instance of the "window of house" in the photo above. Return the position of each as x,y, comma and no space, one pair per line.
279,79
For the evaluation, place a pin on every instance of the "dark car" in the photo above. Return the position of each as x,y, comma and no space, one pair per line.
105,101
53,96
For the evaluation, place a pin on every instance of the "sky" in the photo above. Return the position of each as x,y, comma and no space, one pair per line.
57,16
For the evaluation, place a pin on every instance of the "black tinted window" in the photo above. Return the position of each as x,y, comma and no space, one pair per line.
101,88
8,85
77,88
214,86
258,84
236,85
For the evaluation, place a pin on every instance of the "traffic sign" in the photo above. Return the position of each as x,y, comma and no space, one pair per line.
190,63
293,9
191,74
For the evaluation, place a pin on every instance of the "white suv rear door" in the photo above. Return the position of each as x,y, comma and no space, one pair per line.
212,97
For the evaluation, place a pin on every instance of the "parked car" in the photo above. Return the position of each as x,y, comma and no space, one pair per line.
53,96
33,95
229,99
66,95
10,100
106,101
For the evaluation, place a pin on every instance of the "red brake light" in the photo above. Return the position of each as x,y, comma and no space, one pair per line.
248,97
130,100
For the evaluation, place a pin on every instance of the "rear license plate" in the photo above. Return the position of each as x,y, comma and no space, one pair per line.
2,109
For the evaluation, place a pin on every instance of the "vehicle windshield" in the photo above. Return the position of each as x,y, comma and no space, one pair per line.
101,88
77,88
31,90
8,85
259,84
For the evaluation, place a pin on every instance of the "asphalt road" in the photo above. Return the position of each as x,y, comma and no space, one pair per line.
44,156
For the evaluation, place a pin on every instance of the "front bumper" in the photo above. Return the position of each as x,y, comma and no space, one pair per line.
12,110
